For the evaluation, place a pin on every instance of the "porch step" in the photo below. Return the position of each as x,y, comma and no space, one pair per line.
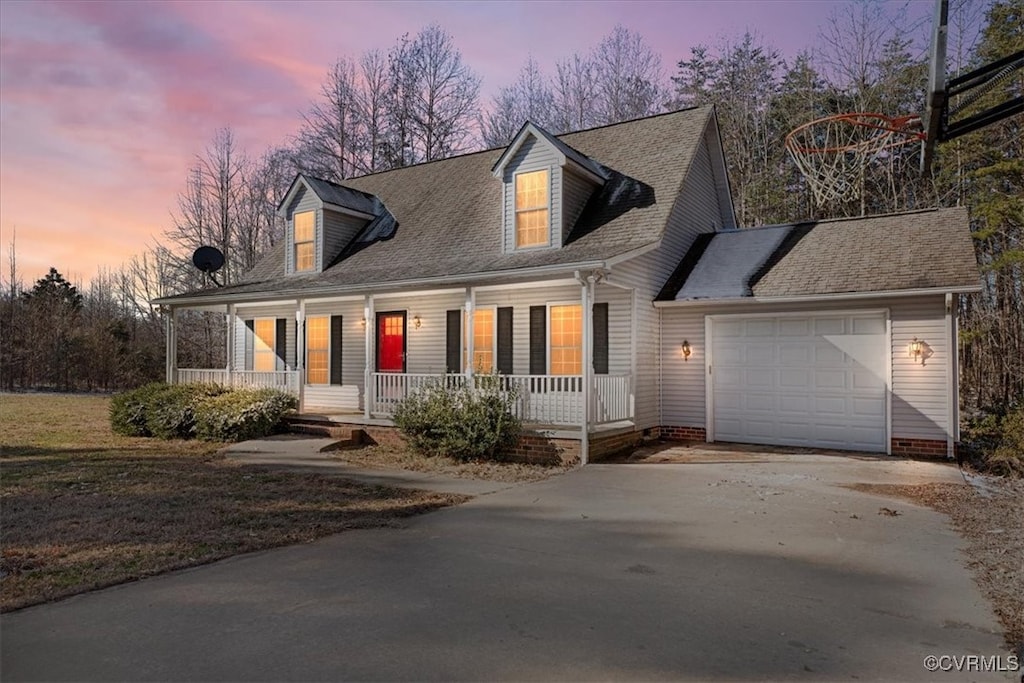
346,435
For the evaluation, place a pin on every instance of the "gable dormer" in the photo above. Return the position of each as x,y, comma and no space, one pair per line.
321,219
545,185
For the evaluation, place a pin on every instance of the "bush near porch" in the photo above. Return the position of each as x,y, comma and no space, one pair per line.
206,411
462,422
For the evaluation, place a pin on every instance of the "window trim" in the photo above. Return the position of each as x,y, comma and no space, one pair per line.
547,341
494,337
272,347
296,243
550,208
305,338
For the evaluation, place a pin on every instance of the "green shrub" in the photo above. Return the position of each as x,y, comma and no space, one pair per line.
171,413
449,418
128,410
241,414
994,441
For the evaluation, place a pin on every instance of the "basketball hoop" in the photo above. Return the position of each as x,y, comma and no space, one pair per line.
833,152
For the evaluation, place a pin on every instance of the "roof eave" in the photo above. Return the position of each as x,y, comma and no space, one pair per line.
327,290
837,296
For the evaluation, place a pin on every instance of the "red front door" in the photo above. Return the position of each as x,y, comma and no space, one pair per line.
391,342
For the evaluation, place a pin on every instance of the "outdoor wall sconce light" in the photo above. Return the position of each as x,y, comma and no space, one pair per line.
416,322
916,350
363,323
686,350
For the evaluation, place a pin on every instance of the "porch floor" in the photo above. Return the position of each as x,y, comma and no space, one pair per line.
549,430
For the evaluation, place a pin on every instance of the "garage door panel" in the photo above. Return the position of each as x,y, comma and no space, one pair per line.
801,380
795,379
794,327
829,380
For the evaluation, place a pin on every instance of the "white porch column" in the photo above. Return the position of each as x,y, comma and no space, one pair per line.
229,322
586,299
468,332
172,346
368,325
300,351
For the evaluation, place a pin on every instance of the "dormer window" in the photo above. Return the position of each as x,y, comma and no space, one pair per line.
305,231
532,209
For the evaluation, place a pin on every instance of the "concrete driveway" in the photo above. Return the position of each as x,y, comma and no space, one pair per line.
765,570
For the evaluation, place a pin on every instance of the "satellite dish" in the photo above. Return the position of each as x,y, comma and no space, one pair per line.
209,260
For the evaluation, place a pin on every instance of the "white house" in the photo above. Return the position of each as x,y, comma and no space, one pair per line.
602,273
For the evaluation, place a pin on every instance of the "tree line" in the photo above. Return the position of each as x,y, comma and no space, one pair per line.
419,100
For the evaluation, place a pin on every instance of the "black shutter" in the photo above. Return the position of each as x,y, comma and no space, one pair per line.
250,335
281,343
504,361
336,349
453,341
601,339
538,340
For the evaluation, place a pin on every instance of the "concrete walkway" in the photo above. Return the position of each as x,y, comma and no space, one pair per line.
734,571
315,454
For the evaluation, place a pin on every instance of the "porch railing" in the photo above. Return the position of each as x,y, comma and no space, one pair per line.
541,399
283,380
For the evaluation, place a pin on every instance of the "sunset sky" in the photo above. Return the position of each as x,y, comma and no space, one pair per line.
104,105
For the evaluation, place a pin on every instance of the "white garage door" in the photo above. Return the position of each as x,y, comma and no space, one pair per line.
811,380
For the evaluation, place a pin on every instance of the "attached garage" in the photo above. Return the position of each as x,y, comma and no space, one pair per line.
816,380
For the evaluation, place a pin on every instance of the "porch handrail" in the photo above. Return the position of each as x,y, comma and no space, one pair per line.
283,380
541,399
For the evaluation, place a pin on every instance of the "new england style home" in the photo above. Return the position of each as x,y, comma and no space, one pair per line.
603,275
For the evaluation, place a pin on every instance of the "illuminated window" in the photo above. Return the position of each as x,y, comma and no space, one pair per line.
566,339
532,209
305,229
264,357
483,340
318,336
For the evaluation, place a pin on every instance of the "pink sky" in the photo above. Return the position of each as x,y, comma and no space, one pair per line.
104,105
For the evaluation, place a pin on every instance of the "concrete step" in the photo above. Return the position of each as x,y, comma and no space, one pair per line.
317,427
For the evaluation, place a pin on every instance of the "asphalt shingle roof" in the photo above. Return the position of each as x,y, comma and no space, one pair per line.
916,250
448,212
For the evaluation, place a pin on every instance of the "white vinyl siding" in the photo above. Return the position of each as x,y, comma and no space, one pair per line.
338,230
919,397
696,210
532,156
576,191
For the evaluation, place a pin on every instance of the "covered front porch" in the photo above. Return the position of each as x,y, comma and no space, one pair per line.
565,347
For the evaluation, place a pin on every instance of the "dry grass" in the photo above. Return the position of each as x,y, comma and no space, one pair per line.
390,457
991,518
84,508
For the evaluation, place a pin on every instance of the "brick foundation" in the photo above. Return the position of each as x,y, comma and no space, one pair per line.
930,449
682,433
535,448
604,447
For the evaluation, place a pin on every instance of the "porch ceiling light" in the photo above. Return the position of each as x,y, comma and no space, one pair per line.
686,350
915,349
416,322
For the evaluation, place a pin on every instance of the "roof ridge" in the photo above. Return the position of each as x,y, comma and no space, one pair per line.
841,219
559,136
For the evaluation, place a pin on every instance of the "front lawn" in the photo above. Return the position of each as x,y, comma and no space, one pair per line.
81,507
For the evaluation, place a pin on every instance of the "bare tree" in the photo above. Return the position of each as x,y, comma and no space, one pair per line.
327,140
629,77
576,94
528,98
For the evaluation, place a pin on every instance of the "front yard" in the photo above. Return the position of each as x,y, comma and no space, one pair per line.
83,508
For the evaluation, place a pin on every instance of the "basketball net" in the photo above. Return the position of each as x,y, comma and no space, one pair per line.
833,152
